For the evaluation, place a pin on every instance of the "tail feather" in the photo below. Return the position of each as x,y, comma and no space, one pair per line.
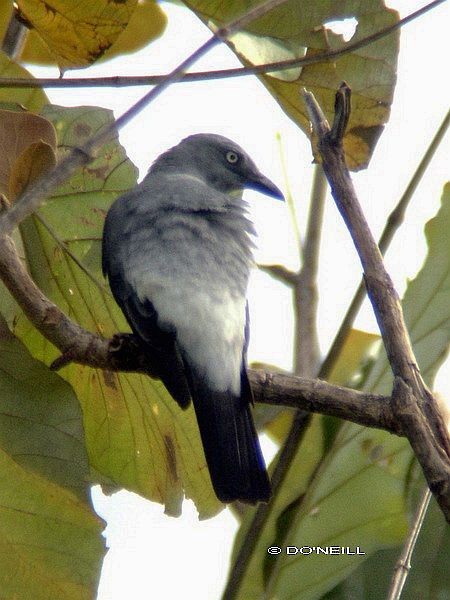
231,445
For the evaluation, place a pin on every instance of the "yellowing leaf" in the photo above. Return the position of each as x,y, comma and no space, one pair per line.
32,99
281,425
296,29
36,160
77,33
146,23
18,131
356,348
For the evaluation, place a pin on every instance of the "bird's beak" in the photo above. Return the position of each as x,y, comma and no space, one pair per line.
262,184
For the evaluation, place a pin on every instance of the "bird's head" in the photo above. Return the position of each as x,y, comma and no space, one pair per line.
221,163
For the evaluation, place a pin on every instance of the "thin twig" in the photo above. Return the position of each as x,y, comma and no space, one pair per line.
141,80
35,194
393,222
290,202
403,565
306,295
280,273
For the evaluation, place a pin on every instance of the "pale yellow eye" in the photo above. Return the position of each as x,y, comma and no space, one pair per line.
232,157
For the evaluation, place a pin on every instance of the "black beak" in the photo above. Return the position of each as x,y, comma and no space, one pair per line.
262,184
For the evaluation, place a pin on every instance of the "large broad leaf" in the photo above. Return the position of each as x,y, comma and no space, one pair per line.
353,356
357,495
50,537
296,29
136,435
427,300
32,99
428,579
75,34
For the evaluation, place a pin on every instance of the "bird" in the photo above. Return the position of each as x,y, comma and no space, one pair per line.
177,250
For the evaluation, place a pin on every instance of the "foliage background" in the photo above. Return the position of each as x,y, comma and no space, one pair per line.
200,550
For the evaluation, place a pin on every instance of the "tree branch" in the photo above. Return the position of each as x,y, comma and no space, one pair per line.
125,353
414,404
141,80
394,221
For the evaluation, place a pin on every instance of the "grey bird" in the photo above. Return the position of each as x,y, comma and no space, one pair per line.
177,250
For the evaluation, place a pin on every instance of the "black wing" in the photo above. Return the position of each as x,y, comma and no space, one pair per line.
162,345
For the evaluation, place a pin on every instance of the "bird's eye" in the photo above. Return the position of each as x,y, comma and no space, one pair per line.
232,157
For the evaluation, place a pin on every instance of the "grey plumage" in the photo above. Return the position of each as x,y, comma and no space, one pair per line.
177,250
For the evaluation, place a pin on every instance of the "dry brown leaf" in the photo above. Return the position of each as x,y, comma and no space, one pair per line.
36,160
19,131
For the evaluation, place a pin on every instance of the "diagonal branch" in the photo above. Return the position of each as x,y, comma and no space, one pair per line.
414,403
394,221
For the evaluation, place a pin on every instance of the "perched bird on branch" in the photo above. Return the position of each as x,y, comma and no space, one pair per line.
177,251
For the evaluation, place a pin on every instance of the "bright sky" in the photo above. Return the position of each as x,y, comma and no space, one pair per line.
152,555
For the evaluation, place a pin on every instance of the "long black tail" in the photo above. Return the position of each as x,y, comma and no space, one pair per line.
231,445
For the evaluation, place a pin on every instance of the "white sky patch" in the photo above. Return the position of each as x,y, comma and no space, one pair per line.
344,27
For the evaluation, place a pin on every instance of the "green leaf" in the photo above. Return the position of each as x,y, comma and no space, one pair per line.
374,465
51,539
357,496
137,436
355,351
428,579
296,29
426,305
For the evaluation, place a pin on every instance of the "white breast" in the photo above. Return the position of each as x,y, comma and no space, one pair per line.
209,324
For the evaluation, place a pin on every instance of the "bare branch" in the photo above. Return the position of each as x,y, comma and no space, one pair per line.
317,396
280,273
393,222
414,403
